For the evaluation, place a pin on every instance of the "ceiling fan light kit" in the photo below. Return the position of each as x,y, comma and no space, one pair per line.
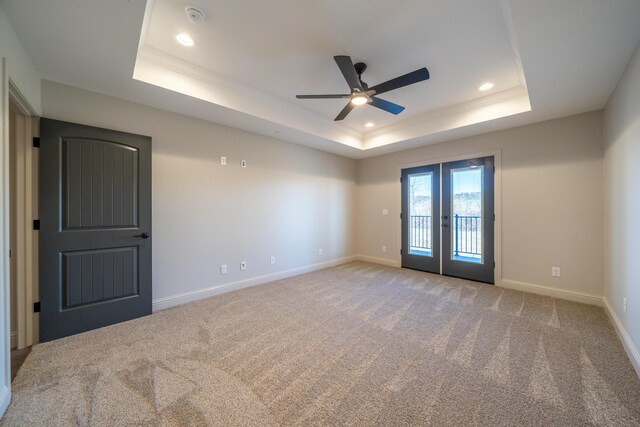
362,94
360,99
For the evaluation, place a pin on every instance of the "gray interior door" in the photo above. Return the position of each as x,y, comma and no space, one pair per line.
421,218
95,226
468,219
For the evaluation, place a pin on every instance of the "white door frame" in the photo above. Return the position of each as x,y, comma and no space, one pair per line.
24,253
7,89
5,319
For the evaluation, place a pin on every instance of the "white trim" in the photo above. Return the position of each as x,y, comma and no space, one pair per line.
25,191
21,101
5,328
627,343
166,302
382,261
566,294
5,399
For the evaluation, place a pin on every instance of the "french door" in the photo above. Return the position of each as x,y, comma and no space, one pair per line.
421,218
448,219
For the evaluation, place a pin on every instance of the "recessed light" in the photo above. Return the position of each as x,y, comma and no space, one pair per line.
369,125
184,39
359,100
486,86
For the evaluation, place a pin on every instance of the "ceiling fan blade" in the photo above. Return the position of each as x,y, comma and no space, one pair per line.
322,96
406,80
345,111
387,106
348,71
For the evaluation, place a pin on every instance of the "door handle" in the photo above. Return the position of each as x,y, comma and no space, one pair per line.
445,225
144,235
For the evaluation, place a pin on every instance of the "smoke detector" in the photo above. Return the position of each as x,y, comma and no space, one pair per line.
195,15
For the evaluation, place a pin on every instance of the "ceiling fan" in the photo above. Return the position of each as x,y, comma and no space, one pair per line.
362,94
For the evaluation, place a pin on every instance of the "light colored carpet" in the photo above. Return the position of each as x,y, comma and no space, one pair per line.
358,344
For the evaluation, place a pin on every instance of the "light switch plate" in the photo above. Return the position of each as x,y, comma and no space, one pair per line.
385,211
223,160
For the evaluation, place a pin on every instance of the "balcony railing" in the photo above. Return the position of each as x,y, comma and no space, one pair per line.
467,235
420,233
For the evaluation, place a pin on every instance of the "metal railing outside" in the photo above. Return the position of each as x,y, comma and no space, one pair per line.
420,232
467,236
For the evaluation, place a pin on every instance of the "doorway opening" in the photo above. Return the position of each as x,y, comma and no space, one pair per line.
23,244
448,218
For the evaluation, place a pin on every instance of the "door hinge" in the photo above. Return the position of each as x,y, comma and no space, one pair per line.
36,142
400,215
36,307
494,264
400,179
400,251
494,170
36,224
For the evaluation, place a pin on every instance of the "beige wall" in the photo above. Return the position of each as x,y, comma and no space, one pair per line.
551,200
289,202
21,71
622,201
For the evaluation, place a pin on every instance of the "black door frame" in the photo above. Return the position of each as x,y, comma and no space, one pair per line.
480,272
421,262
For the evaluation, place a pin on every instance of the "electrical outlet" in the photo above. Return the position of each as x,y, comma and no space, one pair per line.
243,163
320,251
555,271
384,248
223,269
273,260
385,211
243,265
624,304
223,160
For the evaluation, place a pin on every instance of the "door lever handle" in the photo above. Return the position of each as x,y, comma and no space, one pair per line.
445,225
144,235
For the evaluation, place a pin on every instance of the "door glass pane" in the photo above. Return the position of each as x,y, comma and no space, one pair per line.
466,214
421,214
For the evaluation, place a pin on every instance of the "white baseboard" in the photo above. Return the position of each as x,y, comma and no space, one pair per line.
383,261
5,398
629,346
575,296
14,339
166,302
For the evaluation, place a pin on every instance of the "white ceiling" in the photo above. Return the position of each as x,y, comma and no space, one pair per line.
286,47
548,58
